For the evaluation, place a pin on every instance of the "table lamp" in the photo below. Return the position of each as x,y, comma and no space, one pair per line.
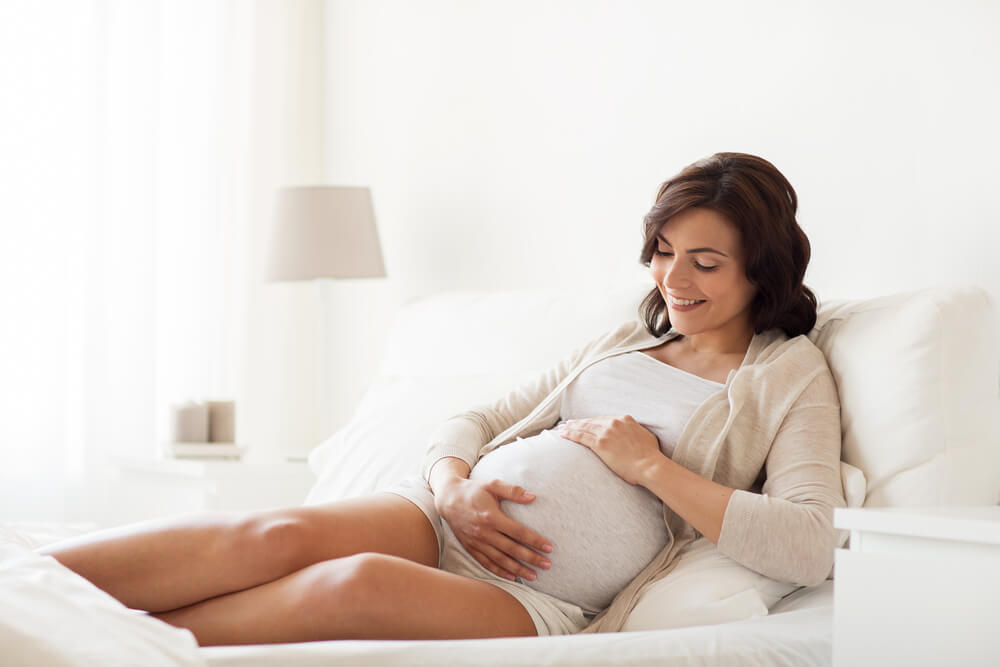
324,232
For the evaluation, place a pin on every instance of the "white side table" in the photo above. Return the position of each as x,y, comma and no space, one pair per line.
918,586
145,489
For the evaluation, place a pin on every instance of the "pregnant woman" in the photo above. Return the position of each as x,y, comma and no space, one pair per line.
549,511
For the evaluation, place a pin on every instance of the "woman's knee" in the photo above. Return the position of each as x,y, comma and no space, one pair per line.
274,539
354,582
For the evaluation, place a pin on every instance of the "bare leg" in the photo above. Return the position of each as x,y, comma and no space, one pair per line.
167,564
366,596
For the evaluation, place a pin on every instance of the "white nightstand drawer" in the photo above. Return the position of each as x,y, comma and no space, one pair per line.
915,610
971,525
887,543
919,586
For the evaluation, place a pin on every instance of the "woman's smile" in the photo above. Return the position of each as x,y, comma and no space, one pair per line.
684,305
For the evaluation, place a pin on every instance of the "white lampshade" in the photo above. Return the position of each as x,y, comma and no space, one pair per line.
324,232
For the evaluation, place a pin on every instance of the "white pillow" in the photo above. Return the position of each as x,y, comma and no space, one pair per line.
386,439
705,587
917,377
51,616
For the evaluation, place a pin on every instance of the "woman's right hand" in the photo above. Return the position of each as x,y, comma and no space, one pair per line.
472,510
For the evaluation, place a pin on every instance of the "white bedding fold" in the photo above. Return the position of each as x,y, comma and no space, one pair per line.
51,616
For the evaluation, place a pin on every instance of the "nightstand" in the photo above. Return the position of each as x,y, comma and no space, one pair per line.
918,586
145,489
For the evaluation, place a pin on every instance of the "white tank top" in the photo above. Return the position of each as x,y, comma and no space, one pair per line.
659,396
603,529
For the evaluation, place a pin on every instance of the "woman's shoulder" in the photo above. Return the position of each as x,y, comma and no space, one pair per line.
775,345
797,363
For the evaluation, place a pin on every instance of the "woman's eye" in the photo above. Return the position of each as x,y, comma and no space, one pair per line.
700,267
667,253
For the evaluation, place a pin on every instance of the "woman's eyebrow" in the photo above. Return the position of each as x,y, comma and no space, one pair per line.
693,250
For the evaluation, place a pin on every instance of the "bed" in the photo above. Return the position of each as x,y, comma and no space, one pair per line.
917,375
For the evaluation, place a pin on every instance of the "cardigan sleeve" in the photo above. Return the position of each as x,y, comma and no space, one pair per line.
786,532
464,435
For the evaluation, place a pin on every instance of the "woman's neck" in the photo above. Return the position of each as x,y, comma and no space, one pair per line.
719,343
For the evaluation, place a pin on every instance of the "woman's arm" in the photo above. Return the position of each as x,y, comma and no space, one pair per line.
699,501
786,532
447,470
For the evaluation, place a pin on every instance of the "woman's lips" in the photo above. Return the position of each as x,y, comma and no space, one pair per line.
684,309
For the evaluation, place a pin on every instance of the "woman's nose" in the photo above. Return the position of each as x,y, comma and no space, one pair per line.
676,276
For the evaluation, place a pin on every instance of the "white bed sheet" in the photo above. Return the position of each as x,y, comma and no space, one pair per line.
798,632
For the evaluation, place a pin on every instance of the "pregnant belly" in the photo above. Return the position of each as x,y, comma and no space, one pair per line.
603,530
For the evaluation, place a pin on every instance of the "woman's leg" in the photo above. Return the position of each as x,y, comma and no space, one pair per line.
166,564
365,596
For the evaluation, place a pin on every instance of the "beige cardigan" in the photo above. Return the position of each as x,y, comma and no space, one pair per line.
776,423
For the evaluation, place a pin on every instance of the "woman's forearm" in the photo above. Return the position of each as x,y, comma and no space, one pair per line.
445,470
699,501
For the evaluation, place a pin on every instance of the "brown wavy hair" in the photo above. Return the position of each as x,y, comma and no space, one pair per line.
755,197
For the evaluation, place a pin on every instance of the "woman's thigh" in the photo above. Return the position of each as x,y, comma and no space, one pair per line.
382,523
365,596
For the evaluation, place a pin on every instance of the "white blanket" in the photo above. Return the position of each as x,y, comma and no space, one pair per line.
51,616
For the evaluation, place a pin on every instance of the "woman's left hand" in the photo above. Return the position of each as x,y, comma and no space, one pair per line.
625,445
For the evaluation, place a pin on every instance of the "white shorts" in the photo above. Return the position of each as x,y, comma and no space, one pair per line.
551,615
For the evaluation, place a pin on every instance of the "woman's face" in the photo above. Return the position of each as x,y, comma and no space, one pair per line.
699,256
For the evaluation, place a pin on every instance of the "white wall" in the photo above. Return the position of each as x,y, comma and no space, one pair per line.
510,144
519,143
